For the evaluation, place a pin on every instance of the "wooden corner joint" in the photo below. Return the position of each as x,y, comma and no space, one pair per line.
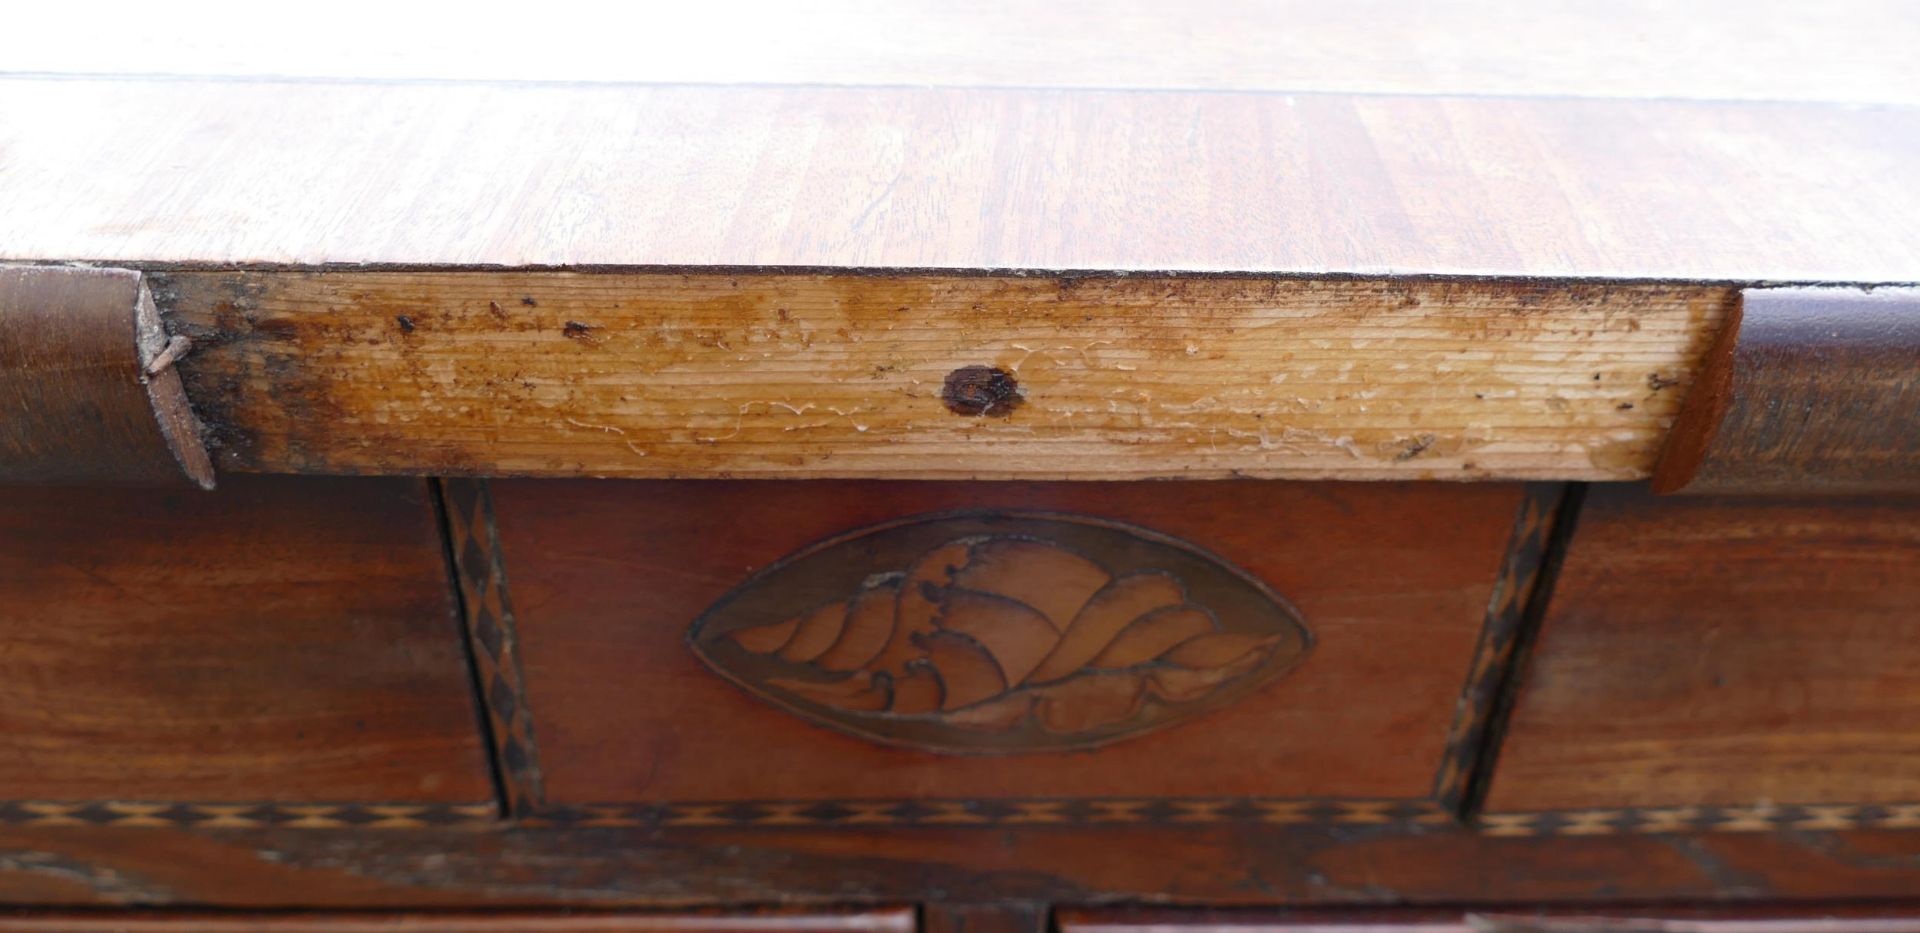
88,382
1812,390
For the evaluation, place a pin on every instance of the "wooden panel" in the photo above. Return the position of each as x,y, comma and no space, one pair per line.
1849,50
1735,652
1192,863
956,179
631,698
788,375
1811,390
1005,917
87,382
1675,918
280,640
872,921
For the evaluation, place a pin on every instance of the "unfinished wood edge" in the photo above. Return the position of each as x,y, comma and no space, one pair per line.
554,374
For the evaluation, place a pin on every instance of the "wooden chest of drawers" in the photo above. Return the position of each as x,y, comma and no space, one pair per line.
676,692
1037,468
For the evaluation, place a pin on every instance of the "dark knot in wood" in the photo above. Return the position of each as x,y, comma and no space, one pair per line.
981,390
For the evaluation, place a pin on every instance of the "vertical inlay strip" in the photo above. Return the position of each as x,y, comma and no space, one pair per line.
474,542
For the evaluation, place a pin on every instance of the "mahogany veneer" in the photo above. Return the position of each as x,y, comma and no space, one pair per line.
281,641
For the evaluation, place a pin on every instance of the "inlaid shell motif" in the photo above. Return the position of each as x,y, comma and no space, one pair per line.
1000,632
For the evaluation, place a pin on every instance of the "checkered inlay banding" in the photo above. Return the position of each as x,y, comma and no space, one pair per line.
495,645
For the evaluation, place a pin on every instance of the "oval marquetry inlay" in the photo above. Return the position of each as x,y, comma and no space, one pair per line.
1000,632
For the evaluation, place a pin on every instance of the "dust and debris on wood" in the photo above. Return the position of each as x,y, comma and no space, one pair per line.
178,345
1657,382
1415,447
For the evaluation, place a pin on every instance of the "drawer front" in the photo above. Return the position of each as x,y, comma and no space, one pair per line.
701,643
281,640
1601,919
1731,653
879,920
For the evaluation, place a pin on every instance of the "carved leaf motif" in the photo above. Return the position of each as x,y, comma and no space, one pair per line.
1014,633
1154,634
866,629
1003,632
1105,615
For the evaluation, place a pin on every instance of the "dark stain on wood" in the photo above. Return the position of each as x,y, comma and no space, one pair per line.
981,390
1415,447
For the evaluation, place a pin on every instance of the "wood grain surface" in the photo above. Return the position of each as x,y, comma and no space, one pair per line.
1669,918
1558,918
663,868
308,173
1846,50
790,375
1006,917
1712,651
607,579
289,641
742,921
1812,390
85,386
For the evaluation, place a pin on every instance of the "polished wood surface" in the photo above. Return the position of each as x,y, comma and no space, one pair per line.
288,641
1810,390
1192,864
1393,582
1671,918
801,376
744,921
314,173
87,383
1737,652
1846,50
1004,917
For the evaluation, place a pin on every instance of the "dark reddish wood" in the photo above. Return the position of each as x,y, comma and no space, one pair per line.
1196,865
282,640
1672,918
1393,581
1714,651
896,920
1002,917
79,400
1808,390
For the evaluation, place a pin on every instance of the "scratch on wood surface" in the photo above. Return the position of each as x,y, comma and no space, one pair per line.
610,429
105,883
